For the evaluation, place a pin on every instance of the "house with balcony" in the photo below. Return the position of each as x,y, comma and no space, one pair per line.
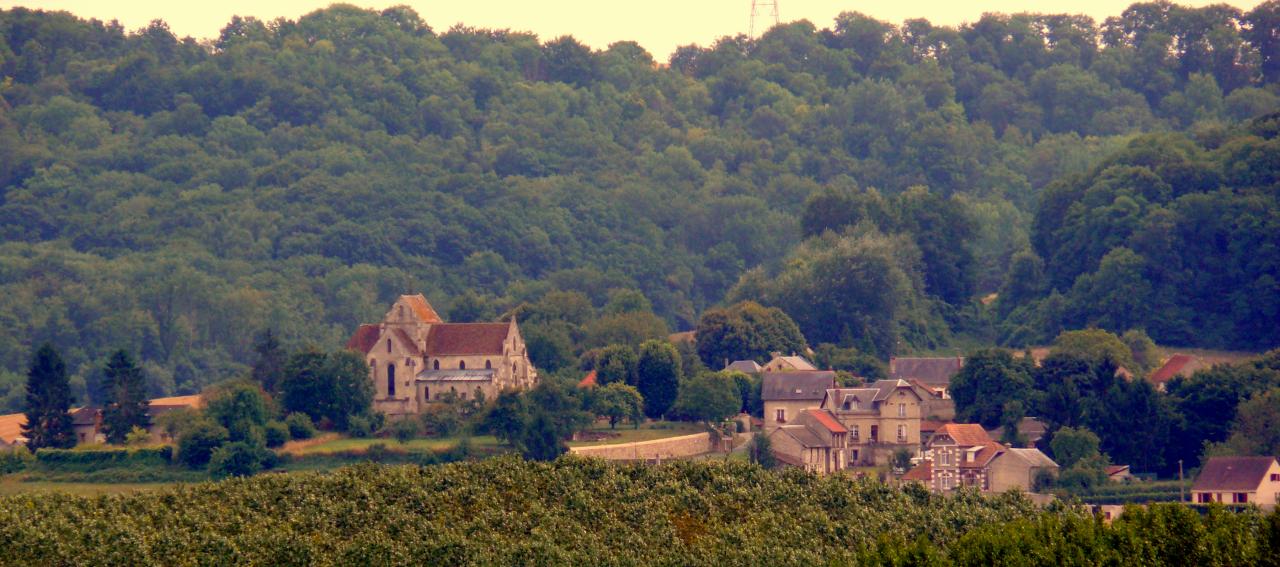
882,418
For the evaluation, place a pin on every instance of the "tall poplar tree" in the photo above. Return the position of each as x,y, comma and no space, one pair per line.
126,405
48,399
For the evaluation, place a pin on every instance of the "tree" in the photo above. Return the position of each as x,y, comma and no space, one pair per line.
238,459
746,331
48,401
1071,445
617,401
542,440
1257,425
1094,345
198,440
507,418
616,363
990,379
658,380
269,368
900,462
330,386
760,451
239,407
710,396
126,401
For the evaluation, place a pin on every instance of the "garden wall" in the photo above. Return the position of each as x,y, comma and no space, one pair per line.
669,448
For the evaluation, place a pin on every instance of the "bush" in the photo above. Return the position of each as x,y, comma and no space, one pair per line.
137,436
359,426
404,430
238,459
72,460
198,441
276,434
300,426
376,452
15,459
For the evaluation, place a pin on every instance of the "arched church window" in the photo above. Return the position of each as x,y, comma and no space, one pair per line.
388,345
488,365
391,380
436,365
462,365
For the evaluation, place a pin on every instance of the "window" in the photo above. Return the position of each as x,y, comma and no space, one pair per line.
436,364
875,433
1240,498
902,434
944,457
848,403
781,416
462,365
400,309
902,410
1204,498
853,457
391,380
426,393
488,365
853,432
1275,477
388,345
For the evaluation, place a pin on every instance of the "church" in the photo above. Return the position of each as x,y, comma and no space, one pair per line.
415,358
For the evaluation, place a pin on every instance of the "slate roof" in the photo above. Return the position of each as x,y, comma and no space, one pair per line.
1034,456
803,435
797,362
748,366
456,375
364,338
826,420
796,385
885,388
467,338
1233,474
931,371
834,399
422,308
85,415
965,434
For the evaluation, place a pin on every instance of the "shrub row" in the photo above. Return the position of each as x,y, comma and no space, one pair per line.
88,461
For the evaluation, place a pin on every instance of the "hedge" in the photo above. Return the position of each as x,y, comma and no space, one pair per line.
84,461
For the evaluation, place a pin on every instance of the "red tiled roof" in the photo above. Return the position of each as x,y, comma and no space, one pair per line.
179,401
930,425
364,338
1233,474
922,472
588,381
11,426
421,308
965,434
467,338
1171,368
827,421
989,451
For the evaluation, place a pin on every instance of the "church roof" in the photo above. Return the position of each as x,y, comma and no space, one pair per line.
421,308
467,338
364,338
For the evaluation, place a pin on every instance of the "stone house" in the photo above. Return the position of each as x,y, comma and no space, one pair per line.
1239,480
814,441
415,358
1018,468
959,454
882,418
87,424
787,394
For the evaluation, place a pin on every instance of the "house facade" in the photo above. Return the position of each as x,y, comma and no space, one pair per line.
1238,480
813,440
963,455
882,418
415,358
787,394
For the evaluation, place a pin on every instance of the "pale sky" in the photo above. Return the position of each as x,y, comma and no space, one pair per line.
658,25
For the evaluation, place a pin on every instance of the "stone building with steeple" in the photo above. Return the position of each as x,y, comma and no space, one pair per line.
415,358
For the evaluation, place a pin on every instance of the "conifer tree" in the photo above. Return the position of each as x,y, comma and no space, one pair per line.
126,404
48,399
268,369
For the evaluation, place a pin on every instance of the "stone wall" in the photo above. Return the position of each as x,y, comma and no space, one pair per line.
669,448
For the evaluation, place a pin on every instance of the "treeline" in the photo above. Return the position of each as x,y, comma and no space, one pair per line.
168,196
574,511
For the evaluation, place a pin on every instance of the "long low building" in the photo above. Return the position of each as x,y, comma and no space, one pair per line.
87,421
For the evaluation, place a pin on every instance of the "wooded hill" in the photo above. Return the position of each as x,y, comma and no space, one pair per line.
174,196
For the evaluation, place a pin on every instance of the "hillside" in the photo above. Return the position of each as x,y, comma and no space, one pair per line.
174,197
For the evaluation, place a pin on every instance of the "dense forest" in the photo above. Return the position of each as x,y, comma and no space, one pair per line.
875,181
507,511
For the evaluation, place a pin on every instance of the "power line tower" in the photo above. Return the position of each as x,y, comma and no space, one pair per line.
762,8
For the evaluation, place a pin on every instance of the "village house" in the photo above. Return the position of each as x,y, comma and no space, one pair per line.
1183,365
1238,480
1119,473
813,440
415,358
963,455
882,418
86,421
932,372
787,394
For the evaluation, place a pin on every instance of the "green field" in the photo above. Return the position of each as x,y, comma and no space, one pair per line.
15,484
648,431
351,445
